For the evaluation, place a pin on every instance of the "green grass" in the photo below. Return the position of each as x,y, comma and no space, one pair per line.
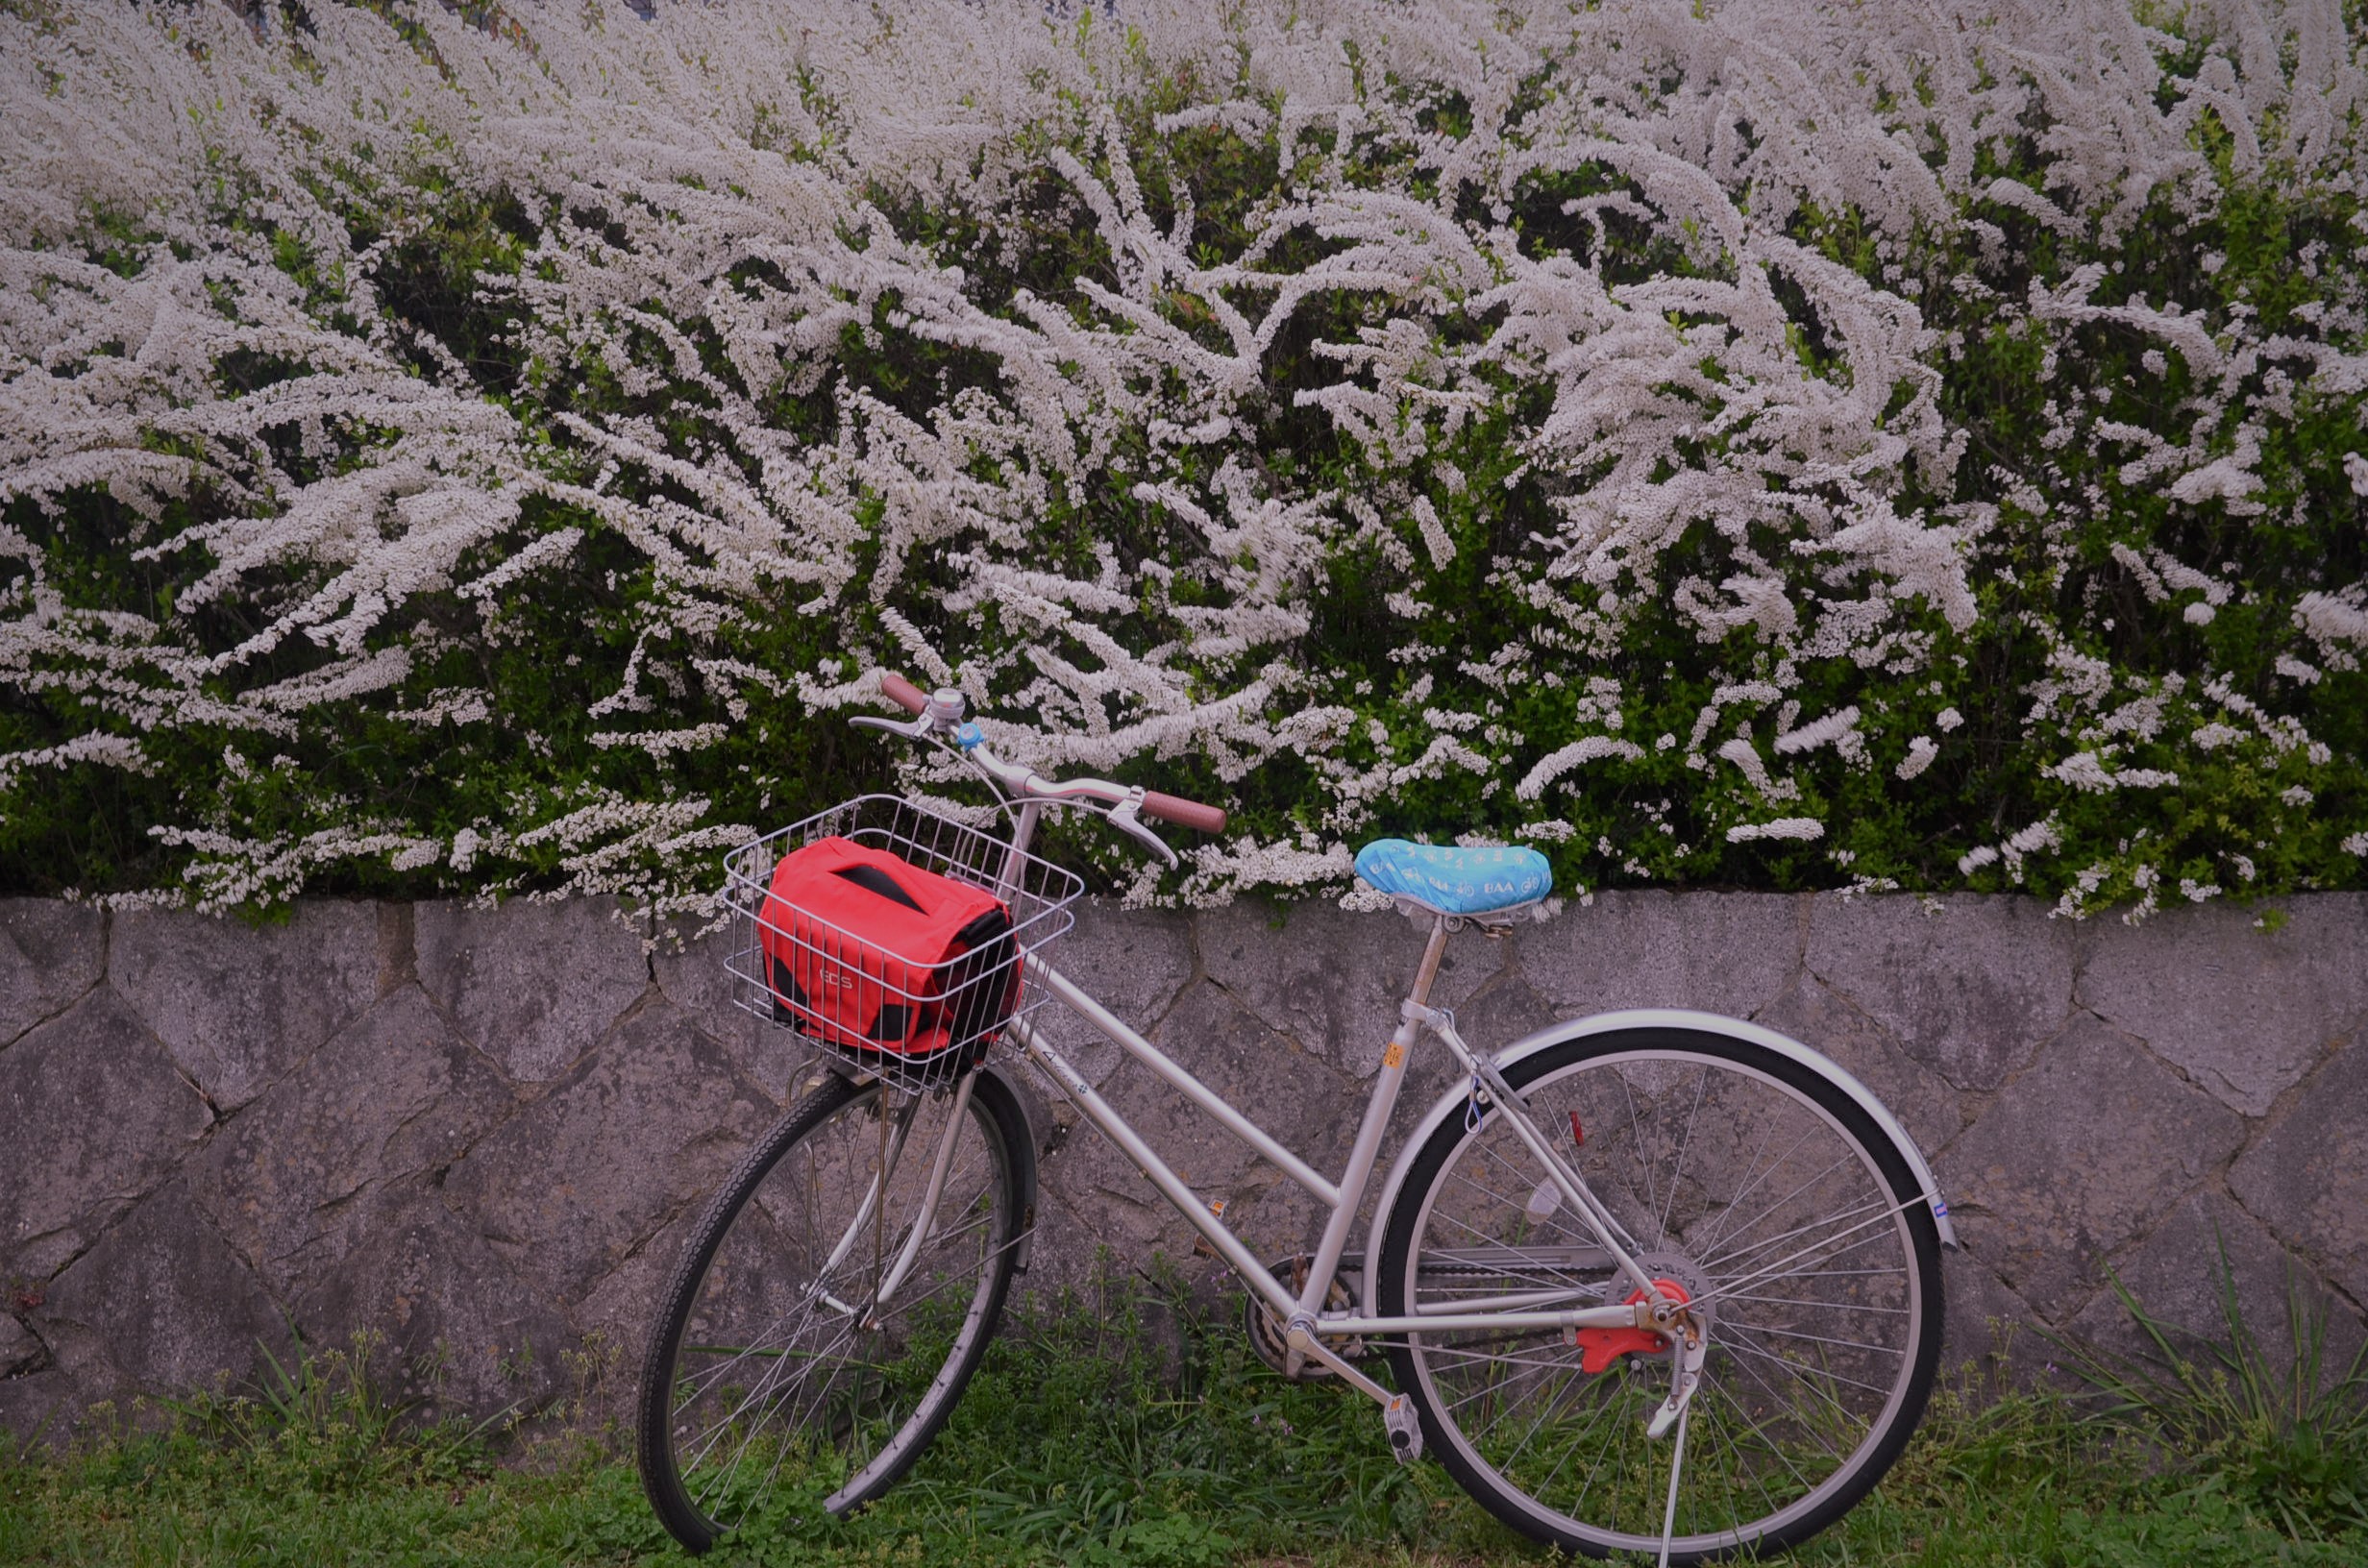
1152,1439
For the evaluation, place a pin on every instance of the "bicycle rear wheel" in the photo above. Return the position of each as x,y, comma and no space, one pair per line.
1770,1197
817,1333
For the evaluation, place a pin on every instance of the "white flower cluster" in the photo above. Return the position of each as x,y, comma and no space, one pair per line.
716,199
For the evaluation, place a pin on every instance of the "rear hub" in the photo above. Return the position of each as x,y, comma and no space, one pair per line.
1676,1278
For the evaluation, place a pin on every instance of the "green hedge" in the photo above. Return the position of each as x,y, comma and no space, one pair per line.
742,453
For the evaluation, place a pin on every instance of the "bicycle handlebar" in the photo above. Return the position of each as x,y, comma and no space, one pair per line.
1174,808
1166,808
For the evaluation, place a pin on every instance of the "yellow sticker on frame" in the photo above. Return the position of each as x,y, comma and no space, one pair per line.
1391,1057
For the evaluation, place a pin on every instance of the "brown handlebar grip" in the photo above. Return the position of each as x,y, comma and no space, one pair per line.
1172,808
901,692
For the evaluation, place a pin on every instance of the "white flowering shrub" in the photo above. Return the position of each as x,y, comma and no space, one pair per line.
489,450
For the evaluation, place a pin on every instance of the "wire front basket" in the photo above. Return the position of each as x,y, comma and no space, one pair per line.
945,1014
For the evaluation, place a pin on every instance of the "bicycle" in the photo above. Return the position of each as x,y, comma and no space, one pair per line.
1648,1282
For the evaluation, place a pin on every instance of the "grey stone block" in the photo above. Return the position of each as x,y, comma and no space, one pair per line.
160,1304
239,1007
1505,1010
21,1351
396,1093
649,1122
1332,980
44,1405
2245,1012
2307,1177
1913,1092
1970,990
1070,1250
2087,1148
688,964
2176,1274
1278,1217
458,1325
1136,963
1285,1090
50,953
690,971
1987,1328
374,1171
1729,953
615,1315
531,984
96,1117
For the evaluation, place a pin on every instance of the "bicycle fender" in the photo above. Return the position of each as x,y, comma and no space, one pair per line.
1453,1102
1041,1130
1040,1134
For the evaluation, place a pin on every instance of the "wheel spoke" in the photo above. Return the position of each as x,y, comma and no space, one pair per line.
1709,1244
1741,1342
1823,1340
1778,1396
1645,1165
1731,1298
1452,1353
756,1375
1684,1141
1778,1271
1561,1395
1787,1204
1712,1259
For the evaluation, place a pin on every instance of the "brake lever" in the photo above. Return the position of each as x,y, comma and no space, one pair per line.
912,729
1125,816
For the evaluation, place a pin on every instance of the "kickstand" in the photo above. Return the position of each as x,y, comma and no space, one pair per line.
1677,1461
1685,1379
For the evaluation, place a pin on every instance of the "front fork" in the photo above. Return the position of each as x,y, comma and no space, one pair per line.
896,1127
926,1220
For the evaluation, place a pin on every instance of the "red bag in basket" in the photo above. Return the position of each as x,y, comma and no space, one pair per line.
866,951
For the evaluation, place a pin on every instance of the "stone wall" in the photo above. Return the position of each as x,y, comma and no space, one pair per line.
483,1132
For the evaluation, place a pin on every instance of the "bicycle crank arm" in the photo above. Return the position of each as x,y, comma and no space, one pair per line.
1301,1341
1397,1411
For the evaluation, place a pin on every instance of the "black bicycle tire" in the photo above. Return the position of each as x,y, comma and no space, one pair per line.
661,1479
1522,1513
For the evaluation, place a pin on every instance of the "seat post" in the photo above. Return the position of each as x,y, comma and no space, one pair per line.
1367,1148
1432,951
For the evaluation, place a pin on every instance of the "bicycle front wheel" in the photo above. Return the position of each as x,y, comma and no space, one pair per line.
1775,1203
833,1302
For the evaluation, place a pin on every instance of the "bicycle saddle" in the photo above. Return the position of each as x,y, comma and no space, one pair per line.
1451,881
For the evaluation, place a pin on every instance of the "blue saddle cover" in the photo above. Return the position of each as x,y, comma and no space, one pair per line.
1456,881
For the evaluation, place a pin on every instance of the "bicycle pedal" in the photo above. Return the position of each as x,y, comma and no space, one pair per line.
1405,1429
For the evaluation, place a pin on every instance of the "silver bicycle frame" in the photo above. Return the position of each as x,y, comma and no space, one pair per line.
1306,1316
1342,1198
1309,1323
